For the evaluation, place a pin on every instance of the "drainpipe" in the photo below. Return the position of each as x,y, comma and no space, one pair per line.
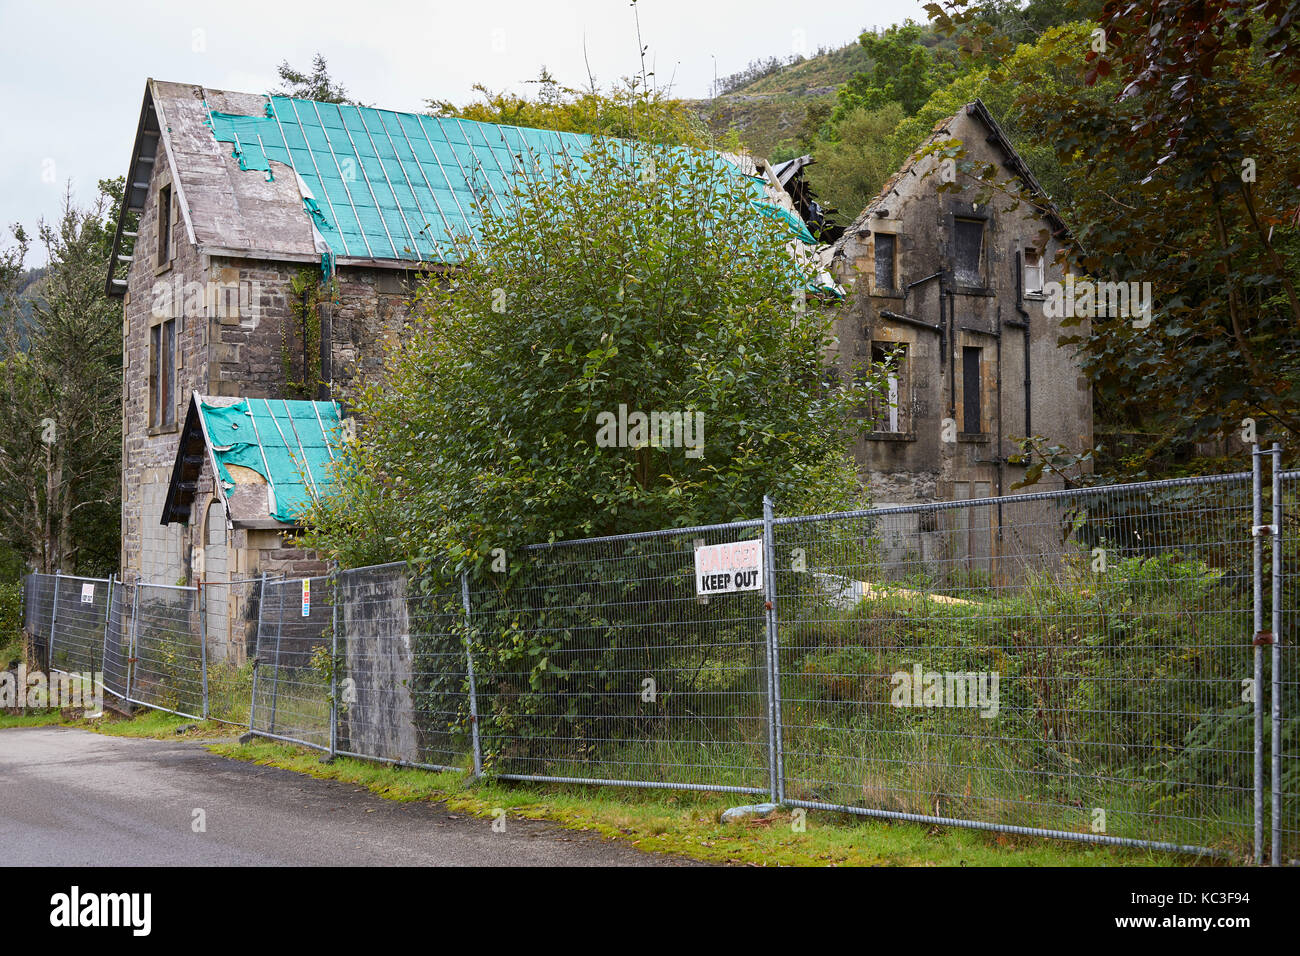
1023,325
999,456
952,354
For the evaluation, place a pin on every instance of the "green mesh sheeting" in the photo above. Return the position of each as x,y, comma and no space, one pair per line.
788,219
290,444
386,185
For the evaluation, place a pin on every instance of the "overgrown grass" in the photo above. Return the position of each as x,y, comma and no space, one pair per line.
29,718
688,823
156,724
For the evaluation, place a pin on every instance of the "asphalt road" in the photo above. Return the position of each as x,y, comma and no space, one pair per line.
75,798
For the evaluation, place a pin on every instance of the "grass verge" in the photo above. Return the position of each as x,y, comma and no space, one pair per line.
156,724
687,823
665,821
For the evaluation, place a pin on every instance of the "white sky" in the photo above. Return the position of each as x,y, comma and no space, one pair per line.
72,73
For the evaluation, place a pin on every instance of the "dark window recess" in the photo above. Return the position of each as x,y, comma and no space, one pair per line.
968,246
164,225
972,412
884,262
162,374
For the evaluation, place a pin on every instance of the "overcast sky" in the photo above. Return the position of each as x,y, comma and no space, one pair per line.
72,73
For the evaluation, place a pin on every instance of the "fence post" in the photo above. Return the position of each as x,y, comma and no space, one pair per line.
54,616
1258,589
103,650
257,653
203,643
334,660
773,656
1275,690
135,628
275,677
469,669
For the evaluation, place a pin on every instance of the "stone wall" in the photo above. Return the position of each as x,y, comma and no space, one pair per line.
234,325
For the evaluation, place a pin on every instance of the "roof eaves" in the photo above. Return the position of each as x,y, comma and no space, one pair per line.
181,488
1017,164
134,183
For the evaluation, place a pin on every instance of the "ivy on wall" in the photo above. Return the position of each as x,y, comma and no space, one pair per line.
300,337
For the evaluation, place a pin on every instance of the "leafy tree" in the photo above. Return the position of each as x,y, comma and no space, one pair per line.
1037,66
626,110
850,170
649,283
1185,171
315,85
60,396
903,71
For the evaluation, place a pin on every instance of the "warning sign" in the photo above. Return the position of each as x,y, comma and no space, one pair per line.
725,568
306,597
87,594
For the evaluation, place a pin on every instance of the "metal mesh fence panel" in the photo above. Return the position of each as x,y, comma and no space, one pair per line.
230,613
292,679
79,613
1284,730
117,639
38,610
401,668
1067,663
168,668
595,661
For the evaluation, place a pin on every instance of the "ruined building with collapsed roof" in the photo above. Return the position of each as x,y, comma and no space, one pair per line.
230,360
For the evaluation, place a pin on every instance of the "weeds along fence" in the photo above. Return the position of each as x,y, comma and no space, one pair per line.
187,650
1112,665
1058,664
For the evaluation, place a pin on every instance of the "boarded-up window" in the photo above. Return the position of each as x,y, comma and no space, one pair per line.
968,250
884,262
162,374
972,409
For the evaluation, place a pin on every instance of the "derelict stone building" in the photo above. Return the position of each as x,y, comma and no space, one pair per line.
245,203
949,280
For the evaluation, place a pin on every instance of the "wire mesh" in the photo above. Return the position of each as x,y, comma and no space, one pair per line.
1069,663
596,661
117,640
401,668
230,614
167,654
80,612
38,611
291,687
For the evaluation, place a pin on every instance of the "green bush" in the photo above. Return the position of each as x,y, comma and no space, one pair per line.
11,624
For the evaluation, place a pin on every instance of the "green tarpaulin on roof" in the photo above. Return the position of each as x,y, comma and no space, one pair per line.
289,443
387,185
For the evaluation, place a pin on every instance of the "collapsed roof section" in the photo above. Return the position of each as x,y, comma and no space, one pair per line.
271,458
